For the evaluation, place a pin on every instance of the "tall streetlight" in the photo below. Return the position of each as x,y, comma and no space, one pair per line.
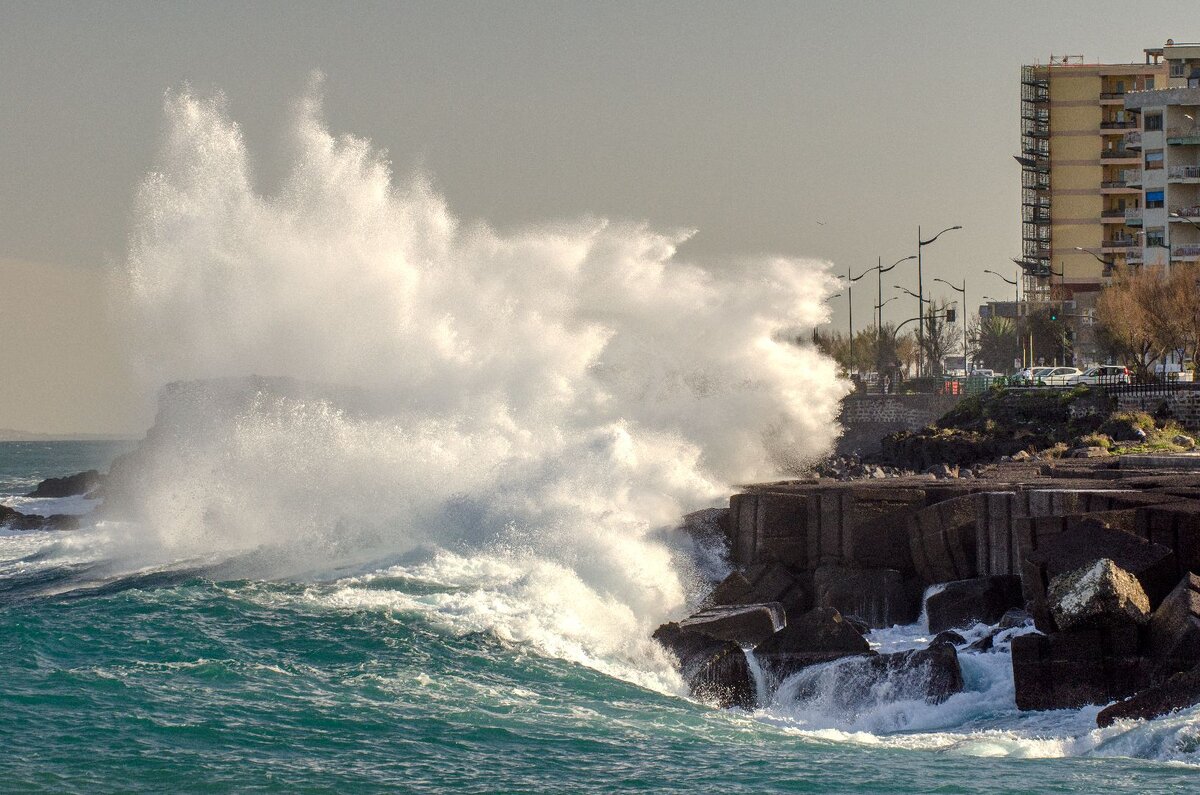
879,284
850,280
921,292
963,291
1016,283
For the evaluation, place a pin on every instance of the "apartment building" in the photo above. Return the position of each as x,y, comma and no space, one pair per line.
1080,178
1168,142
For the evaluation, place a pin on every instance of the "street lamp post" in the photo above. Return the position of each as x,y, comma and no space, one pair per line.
921,292
879,283
850,280
1016,283
963,291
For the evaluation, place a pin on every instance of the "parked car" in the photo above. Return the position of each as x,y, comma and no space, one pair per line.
1103,374
1059,376
983,373
1030,375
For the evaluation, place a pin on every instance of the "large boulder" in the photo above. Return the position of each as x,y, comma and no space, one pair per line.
745,625
818,636
1068,670
1179,692
963,603
759,584
1097,595
1152,564
879,597
11,519
849,685
68,486
1175,627
715,670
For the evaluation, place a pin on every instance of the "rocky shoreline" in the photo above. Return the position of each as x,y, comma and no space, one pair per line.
1088,569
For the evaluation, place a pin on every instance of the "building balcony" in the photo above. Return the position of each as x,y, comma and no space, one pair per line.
1133,216
1133,140
1119,154
1183,136
1189,252
1108,216
1112,98
1118,125
1116,245
1183,174
1186,212
1133,255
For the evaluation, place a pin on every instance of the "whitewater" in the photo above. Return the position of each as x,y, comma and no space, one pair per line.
410,513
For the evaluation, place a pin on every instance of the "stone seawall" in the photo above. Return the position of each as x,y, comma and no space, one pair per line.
866,419
1183,405
1017,547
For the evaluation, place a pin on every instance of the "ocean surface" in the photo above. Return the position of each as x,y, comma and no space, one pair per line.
178,677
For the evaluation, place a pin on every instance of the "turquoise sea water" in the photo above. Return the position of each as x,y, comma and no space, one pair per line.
182,680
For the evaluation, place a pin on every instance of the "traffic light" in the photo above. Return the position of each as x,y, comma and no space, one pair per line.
949,315
1054,316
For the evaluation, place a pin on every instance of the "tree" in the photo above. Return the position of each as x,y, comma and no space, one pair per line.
1145,314
1048,333
939,337
993,342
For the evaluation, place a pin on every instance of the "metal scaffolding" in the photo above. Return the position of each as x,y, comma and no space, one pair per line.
1035,179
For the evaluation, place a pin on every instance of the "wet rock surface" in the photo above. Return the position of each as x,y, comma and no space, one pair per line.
69,486
963,603
1178,692
818,636
715,670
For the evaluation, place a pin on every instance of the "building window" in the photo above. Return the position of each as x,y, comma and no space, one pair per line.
1149,83
1154,198
1153,121
1156,238
1154,159
1176,68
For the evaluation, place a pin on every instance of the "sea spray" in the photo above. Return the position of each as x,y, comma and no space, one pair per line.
537,405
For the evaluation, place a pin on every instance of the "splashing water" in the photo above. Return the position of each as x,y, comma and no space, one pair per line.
541,403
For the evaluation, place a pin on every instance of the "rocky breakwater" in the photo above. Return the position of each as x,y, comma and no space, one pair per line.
1100,566
81,484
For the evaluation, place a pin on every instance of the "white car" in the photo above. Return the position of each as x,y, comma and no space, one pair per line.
1104,374
1030,375
1058,376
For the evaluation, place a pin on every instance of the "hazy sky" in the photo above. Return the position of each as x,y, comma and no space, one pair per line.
750,122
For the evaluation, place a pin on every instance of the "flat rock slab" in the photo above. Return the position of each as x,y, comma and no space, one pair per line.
1179,462
745,625
1179,692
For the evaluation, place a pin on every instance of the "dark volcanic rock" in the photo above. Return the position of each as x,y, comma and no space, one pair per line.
1179,692
745,625
715,670
760,584
980,599
1153,565
853,683
942,539
878,597
947,636
15,520
1175,627
1067,670
818,636
69,486
1097,595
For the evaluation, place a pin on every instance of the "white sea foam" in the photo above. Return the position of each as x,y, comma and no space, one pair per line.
545,403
